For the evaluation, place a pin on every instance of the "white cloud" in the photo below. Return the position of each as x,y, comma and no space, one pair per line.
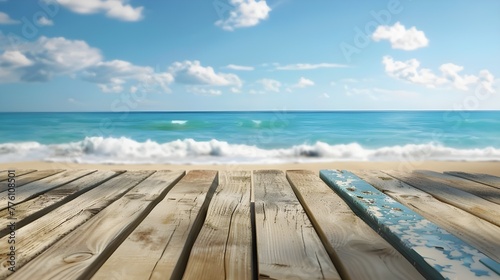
303,82
270,84
411,71
117,9
14,59
245,13
44,58
44,21
204,91
325,95
235,90
192,72
5,19
400,37
240,67
450,72
111,75
307,66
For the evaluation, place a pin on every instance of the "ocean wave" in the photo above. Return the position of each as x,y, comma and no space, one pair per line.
125,150
180,122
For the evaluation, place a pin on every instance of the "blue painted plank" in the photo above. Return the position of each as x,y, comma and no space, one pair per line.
436,253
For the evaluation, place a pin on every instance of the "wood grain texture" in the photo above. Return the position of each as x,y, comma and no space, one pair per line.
81,252
358,251
287,244
37,236
477,232
38,187
487,192
436,253
223,249
31,177
471,203
33,209
486,179
160,243
4,173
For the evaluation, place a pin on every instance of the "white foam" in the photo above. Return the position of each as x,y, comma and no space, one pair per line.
125,150
180,122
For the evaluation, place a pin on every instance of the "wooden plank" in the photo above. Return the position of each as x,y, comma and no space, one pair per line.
486,179
436,253
34,238
159,247
481,190
473,204
19,172
31,177
473,230
38,187
33,209
357,250
223,249
81,252
287,244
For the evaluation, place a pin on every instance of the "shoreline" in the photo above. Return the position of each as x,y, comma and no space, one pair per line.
487,167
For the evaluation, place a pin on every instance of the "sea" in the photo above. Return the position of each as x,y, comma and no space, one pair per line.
249,137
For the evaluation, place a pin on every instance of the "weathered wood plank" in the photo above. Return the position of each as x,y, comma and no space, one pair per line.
31,177
435,252
159,247
473,230
223,249
80,253
33,209
473,204
35,237
33,189
478,189
486,179
19,172
357,250
287,244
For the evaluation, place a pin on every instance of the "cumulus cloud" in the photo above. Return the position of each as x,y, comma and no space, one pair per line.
5,19
308,66
245,13
303,82
400,37
240,67
111,75
117,9
45,58
270,85
193,73
44,21
450,75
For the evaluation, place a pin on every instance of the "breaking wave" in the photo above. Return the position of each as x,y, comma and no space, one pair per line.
128,151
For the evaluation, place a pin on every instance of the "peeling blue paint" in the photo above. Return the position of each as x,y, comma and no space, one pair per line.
436,253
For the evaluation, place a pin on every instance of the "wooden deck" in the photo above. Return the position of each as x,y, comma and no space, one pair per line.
265,224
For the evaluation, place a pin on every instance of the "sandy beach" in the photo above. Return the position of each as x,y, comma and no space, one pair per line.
487,167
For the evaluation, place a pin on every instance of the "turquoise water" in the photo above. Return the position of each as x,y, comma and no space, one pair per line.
279,136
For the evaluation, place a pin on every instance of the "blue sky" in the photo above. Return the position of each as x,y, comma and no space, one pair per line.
119,55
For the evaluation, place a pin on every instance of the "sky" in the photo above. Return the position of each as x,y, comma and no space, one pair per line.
211,55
